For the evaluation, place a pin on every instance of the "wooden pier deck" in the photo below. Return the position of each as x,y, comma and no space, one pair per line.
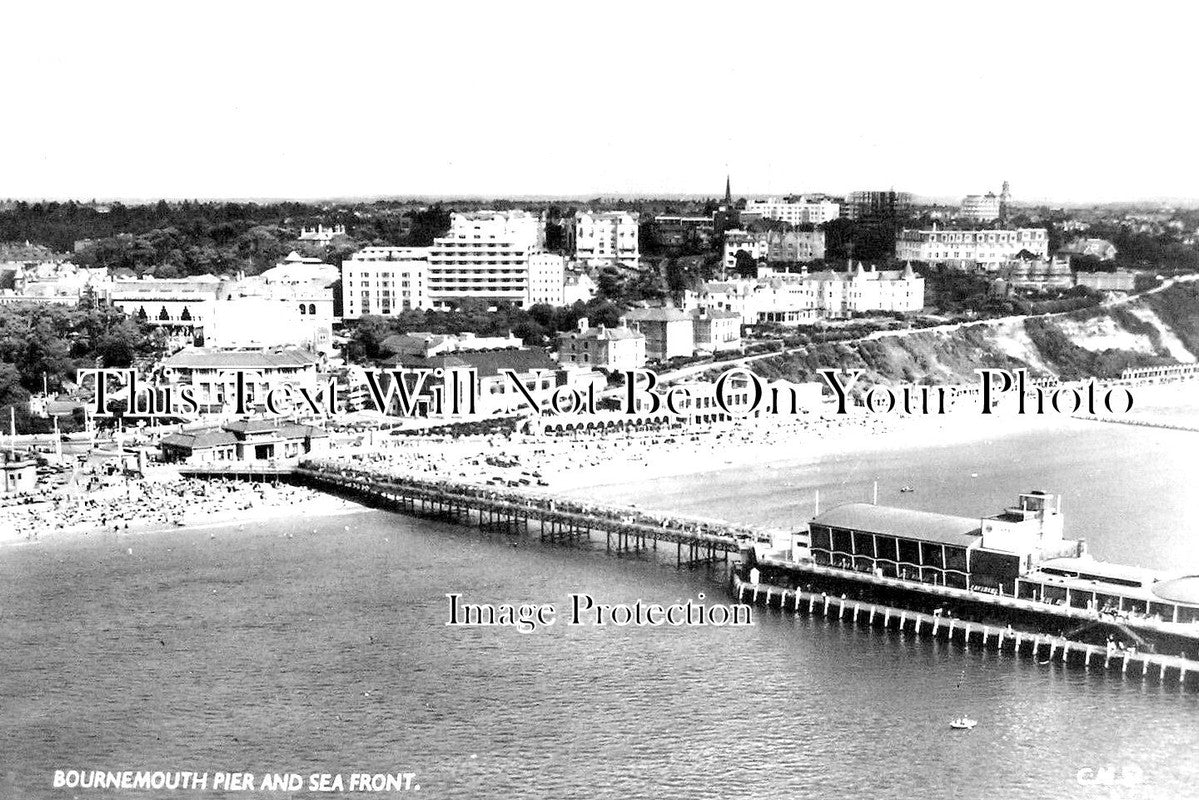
625,529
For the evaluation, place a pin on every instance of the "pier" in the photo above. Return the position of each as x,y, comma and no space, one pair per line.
626,530
1041,647
633,532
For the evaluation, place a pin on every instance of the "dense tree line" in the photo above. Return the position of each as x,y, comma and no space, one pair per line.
191,238
42,346
1136,250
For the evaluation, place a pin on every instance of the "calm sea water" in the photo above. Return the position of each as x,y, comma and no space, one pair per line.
327,652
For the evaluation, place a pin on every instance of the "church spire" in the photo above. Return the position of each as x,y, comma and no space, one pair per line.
728,191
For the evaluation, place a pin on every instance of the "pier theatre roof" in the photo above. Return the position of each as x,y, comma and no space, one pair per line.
905,523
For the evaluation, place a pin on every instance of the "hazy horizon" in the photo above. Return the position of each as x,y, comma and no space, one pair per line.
1074,105
1180,202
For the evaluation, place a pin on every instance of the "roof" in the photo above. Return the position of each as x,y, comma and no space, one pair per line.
287,430
486,363
252,426
602,333
1102,569
200,439
295,258
1179,590
239,359
909,524
713,313
657,315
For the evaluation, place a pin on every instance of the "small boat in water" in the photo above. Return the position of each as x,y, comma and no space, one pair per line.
963,723
906,489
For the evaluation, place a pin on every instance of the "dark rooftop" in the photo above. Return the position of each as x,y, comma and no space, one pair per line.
486,363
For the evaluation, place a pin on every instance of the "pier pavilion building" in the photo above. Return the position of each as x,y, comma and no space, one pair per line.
988,554
1019,553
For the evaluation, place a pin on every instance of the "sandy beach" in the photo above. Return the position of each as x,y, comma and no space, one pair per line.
142,506
574,464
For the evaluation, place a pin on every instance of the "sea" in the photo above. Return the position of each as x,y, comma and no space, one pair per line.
320,647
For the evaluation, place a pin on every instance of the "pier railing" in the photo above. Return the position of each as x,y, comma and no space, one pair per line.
626,528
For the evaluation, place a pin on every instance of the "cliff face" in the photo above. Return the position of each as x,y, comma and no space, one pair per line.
1161,328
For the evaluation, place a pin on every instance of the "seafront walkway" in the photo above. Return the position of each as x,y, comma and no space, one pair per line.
1043,648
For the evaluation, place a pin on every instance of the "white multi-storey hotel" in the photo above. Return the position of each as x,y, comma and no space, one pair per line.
605,238
988,248
793,210
496,256
384,281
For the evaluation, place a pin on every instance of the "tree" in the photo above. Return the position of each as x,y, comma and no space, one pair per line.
746,266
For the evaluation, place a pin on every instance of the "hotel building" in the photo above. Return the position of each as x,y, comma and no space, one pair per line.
988,248
806,297
980,207
497,256
182,308
606,238
793,210
384,281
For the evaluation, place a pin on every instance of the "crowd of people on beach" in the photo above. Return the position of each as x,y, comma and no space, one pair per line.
585,458
138,504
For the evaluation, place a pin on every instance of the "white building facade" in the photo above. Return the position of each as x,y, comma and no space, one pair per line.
807,297
605,238
182,308
488,255
384,281
988,248
980,207
793,210
547,279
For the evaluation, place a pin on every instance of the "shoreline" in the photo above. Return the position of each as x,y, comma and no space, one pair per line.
914,434
318,504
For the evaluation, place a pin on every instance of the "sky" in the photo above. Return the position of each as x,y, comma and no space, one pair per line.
1068,101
